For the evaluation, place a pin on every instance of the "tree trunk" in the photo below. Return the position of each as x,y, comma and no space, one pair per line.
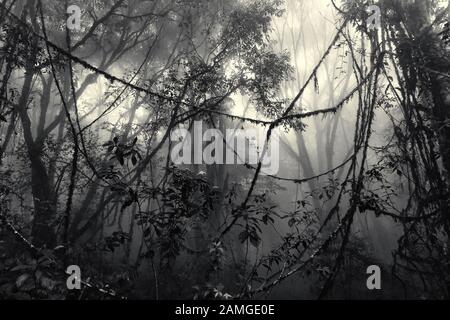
42,232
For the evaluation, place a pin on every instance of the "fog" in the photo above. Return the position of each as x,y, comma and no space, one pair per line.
92,121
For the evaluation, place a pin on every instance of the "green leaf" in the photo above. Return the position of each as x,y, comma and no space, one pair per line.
22,267
21,279
120,158
255,240
48,283
243,236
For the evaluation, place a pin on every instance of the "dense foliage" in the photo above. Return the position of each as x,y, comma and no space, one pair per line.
86,176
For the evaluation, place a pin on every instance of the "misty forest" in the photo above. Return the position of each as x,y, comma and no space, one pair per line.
361,112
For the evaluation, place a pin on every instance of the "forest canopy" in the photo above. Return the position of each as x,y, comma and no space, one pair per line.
356,116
